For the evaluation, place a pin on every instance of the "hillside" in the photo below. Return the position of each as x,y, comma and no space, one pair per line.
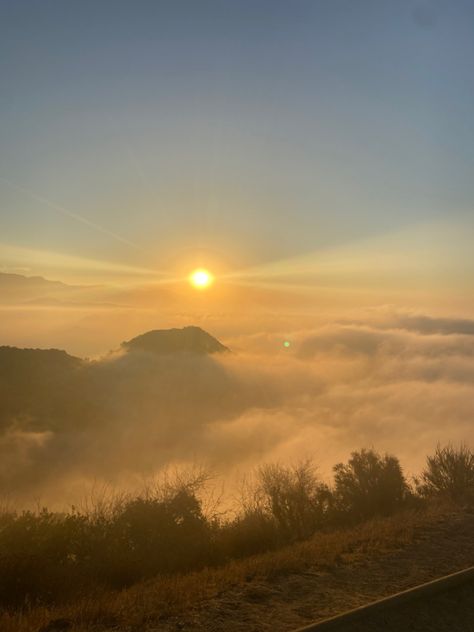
281,590
36,385
52,387
52,402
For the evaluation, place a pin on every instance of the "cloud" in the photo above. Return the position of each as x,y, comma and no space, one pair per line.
396,381
428,325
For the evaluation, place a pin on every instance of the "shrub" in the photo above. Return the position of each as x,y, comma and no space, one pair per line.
281,505
152,535
450,473
45,556
295,498
39,553
369,484
253,531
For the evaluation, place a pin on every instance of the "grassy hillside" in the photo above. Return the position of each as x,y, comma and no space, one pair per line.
298,546
282,589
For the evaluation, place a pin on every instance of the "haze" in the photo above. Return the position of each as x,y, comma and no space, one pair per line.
315,158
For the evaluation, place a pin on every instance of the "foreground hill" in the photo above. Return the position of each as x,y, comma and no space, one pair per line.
281,590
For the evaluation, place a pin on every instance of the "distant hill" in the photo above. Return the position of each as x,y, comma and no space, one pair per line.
165,341
49,389
17,288
18,282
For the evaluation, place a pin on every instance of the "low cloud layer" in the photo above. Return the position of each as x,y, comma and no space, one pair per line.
399,382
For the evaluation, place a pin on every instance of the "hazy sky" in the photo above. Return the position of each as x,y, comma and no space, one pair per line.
158,134
315,155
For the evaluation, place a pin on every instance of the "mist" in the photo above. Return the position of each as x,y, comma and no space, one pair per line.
397,381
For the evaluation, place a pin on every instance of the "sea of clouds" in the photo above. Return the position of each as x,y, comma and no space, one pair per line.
395,381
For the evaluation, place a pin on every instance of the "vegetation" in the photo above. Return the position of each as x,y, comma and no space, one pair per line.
49,558
170,601
297,502
284,504
449,472
368,485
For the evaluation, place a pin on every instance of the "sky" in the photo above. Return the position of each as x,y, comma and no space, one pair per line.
315,156
140,139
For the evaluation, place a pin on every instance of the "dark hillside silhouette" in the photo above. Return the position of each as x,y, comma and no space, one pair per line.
163,341
54,405
37,383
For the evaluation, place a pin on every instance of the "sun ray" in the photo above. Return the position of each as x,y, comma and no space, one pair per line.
68,213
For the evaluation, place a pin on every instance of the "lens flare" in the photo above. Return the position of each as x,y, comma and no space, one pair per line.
201,279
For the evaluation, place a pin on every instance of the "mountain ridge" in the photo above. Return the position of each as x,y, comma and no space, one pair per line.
49,389
188,339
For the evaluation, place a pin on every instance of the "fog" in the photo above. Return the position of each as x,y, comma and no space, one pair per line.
397,381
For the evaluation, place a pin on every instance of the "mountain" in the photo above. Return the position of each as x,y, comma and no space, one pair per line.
13,281
19,289
165,341
17,285
47,389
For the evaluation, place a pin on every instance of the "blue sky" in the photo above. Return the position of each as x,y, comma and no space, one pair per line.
154,133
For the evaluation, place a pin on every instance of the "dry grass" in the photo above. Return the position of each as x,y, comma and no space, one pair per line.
164,597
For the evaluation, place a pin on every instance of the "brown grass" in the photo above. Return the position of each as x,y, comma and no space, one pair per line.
164,597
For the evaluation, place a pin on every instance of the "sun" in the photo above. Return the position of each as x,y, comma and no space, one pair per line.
201,279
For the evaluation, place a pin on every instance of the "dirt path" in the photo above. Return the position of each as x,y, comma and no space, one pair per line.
288,602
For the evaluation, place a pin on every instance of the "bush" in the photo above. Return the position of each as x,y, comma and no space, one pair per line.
295,498
369,484
450,473
152,535
39,553
46,557
253,531
282,505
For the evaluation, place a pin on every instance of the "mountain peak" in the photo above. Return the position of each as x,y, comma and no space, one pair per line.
189,339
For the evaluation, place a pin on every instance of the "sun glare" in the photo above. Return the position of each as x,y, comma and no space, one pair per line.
201,279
